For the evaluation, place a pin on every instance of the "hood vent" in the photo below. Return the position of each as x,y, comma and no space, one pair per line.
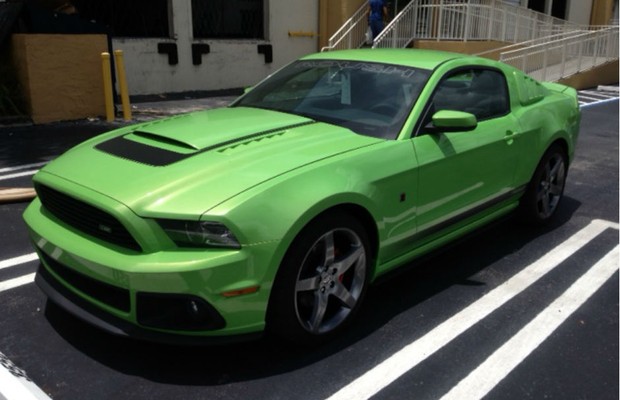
240,145
147,152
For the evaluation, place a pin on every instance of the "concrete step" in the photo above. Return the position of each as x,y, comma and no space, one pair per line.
10,195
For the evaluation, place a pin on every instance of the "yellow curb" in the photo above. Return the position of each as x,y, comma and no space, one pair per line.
8,195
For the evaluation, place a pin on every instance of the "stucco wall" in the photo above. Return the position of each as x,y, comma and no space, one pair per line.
60,75
602,75
230,63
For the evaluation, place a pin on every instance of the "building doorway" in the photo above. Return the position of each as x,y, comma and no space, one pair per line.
555,8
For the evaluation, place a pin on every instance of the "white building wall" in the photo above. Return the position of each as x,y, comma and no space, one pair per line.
579,11
230,63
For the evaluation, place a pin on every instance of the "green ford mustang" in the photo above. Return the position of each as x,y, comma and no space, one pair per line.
278,211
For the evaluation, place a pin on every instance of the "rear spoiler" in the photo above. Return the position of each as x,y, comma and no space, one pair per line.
559,88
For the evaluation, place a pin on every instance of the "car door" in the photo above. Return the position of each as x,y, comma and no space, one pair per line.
464,173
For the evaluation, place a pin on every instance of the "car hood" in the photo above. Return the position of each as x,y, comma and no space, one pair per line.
185,165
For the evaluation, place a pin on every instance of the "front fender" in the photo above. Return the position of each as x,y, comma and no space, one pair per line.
376,179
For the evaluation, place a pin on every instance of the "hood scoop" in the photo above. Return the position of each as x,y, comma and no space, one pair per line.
157,150
148,138
127,147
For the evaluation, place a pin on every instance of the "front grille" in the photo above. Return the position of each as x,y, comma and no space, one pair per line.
86,218
113,296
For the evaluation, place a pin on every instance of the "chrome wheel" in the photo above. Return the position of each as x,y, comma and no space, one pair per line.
330,281
551,186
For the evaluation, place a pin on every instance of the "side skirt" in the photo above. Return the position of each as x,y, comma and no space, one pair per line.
454,228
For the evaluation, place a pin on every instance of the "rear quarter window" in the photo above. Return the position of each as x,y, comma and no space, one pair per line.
529,90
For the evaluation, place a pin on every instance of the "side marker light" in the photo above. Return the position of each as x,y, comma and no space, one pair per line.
240,292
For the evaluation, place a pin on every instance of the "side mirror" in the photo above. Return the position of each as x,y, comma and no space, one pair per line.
247,89
454,121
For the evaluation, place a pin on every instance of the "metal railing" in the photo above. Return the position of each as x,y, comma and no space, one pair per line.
496,52
545,47
450,20
471,20
351,34
556,59
412,22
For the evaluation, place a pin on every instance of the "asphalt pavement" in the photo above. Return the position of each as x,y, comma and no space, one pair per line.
445,328
29,146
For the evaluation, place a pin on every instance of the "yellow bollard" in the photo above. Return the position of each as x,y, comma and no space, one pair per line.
122,82
107,86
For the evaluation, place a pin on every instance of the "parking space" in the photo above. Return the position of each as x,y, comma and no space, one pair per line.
507,313
604,93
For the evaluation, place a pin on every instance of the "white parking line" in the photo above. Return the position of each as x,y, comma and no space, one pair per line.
581,96
599,94
18,174
15,384
411,355
25,166
21,280
484,378
11,262
599,102
16,282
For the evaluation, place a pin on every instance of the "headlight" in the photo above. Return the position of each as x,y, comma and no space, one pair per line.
199,234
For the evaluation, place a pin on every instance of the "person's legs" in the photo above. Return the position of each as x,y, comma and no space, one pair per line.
376,27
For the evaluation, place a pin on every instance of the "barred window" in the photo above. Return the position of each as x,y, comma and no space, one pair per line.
228,19
135,18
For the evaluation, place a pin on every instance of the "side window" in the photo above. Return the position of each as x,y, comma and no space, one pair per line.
482,92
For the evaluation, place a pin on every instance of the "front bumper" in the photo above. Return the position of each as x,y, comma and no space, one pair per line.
89,313
106,286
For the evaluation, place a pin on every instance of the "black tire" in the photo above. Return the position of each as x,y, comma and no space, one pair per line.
322,280
546,189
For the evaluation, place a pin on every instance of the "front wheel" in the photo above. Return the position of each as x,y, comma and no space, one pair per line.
322,280
544,193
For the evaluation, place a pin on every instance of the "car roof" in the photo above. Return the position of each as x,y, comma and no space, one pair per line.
417,58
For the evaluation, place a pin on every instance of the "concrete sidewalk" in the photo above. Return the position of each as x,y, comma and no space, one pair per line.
158,109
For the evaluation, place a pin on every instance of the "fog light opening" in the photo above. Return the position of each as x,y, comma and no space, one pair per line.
177,312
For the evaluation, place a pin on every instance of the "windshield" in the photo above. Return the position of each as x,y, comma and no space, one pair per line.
369,98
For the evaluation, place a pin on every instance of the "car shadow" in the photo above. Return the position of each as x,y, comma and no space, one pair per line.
216,365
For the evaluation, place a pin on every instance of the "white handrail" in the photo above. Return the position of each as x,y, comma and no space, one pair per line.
400,31
450,20
533,42
351,34
564,57
472,20
546,47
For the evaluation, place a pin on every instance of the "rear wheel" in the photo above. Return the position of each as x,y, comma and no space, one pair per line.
545,191
322,280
